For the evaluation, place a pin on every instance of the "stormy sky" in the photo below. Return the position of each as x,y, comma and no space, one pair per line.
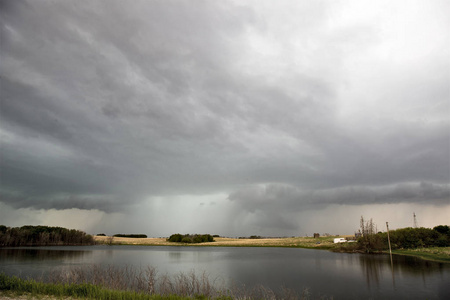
275,118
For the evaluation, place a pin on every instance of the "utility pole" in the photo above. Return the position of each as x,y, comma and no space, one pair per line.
389,241
415,220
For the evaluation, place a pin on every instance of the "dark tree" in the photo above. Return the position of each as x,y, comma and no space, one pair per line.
42,236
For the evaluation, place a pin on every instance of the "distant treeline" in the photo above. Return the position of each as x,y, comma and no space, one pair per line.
136,236
42,236
191,238
252,237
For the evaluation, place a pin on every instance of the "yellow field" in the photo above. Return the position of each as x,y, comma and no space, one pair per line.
301,242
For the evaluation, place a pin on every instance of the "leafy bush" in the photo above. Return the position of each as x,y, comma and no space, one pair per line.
175,238
372,242
187,240
443,241
442,229
413,237
190,238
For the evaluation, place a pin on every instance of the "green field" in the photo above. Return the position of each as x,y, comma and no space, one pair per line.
440,254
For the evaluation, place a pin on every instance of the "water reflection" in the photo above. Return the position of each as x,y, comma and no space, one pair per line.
322,272
378,274
371,269
413,265
176,256
36,254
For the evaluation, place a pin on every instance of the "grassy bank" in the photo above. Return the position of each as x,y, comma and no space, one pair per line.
439,254
294,242
14,287
109,282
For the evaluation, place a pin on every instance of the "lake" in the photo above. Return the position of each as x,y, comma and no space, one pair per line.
323,273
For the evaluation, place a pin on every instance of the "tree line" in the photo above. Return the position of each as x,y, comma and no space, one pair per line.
42,236
405,238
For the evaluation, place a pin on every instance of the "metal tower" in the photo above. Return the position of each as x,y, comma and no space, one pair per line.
415,220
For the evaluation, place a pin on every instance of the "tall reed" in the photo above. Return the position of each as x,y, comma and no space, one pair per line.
103,280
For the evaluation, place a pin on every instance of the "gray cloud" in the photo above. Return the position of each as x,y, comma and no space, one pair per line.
107,106
274,196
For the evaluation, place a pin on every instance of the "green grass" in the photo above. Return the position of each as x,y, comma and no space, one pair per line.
439,254
17,286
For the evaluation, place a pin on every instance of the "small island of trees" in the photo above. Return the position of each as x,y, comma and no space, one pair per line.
42,236
190,238
129,235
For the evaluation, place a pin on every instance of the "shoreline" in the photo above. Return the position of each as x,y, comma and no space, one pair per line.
292,242
436,254
429,254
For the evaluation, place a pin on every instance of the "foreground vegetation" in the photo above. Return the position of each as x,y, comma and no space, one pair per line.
122,283
42,236
14,287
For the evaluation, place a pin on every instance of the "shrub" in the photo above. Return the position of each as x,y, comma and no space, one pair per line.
176,238
187,240
371,243
413,237
190,238
442,229
443,241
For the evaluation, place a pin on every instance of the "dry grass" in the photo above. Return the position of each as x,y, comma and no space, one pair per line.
133,241
298,242
11,296
5,295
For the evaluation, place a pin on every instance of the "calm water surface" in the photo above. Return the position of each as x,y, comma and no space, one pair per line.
325,274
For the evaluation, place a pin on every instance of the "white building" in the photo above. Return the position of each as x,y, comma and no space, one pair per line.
340,240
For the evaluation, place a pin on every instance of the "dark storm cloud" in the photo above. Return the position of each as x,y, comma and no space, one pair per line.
105,105
115,89
281,197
